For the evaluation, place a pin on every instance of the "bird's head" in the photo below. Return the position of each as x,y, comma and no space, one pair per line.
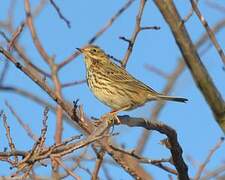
93,52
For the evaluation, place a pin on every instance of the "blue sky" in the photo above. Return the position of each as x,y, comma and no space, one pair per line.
197,130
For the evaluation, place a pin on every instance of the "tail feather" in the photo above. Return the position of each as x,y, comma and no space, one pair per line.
172,98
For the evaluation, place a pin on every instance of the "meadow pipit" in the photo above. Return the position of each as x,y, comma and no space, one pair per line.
114,86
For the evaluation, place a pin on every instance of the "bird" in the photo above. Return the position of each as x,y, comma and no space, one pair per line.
114,86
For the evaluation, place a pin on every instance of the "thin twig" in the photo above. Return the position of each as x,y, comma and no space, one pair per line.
98,164
8,135
74,83
33,32
15,37
157,163
60,14
67,169
24,57
187,17
137,29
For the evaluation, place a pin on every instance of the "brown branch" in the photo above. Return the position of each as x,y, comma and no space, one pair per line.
157,163
59,111
38,80
67,169
44,130
24,57
209,156
76,161
98,164
9,137
39,152
54,70
15,37
60,14
33,32
175,149
209,31
18,48
192,59
54,151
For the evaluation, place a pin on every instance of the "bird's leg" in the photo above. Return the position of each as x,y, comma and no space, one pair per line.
113,115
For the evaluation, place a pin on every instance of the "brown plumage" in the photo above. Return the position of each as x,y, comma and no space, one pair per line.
114,86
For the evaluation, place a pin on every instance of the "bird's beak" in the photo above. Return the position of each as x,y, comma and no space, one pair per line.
79,50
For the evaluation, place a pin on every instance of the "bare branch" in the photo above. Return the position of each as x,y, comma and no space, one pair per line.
67,169
9,137
98,164
137,29
15,36
175,149
34,35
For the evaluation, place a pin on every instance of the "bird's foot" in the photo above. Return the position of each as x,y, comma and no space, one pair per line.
111,118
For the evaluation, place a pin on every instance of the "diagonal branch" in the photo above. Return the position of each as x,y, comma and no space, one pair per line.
34,35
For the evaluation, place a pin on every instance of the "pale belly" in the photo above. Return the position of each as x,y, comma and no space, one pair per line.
112,99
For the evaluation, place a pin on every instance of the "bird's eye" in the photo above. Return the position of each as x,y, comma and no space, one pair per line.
94,50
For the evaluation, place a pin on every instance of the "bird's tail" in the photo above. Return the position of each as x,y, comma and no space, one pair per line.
171,98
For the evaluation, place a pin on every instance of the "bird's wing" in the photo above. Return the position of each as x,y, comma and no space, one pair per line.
120,75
